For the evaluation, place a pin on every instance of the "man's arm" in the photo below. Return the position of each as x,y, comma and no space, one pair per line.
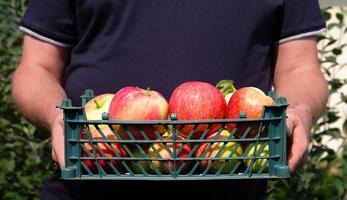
298,77
37,90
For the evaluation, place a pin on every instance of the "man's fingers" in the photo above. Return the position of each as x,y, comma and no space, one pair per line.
298,150
58,158
54,156
58,150
290,127
61,161
58,142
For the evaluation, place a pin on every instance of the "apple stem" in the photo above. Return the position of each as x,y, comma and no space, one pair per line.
98,106
148,91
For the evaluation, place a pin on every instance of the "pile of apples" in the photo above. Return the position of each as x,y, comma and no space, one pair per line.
192,100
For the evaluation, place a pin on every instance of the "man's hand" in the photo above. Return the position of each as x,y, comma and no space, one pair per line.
298,78
298,130
57,133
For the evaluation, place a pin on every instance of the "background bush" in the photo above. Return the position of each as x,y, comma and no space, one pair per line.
24,151
25,160
325,174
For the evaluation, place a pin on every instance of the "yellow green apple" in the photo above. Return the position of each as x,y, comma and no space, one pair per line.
93,110
262,150
134,165
215,148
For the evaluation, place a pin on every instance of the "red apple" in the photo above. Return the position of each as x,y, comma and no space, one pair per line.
93,110
134,103
215,149
250,100
164,153
108,153
195,100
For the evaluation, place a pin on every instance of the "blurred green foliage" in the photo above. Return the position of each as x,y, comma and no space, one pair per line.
25,156
325,174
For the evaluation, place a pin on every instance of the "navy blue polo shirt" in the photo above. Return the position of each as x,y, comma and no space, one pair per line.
163,43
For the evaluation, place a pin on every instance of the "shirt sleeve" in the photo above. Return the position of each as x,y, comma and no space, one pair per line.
301,18
51,21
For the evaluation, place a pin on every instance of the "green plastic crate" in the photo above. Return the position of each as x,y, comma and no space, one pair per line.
121,156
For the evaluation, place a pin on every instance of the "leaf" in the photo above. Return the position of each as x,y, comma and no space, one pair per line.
332,25
331,59
343,97
326,15
4,122
339,185
13,195
318,152
226,86
344,127
336,84
331,42
337,51
335,133
321,37
25,181
332,117
342,46
340,17
7,165
308,176
327,72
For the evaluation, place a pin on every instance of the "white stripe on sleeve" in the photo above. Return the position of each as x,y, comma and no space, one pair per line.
302,35
41,37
